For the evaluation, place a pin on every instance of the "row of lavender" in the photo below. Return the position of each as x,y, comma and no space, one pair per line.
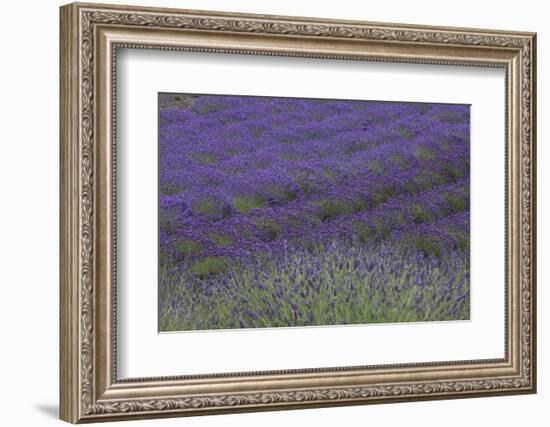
248,182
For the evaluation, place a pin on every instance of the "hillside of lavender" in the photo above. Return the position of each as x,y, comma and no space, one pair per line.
278,212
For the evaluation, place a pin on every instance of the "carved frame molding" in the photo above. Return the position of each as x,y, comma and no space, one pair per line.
89,387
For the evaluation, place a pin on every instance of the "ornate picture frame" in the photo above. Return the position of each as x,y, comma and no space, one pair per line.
90,37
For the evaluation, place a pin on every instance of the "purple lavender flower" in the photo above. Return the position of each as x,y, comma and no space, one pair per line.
295,212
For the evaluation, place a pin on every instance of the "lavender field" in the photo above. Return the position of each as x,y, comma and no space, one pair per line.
279,212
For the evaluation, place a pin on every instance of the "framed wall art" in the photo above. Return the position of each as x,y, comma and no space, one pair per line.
265,212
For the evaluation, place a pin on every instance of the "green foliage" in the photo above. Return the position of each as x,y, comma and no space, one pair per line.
445,145
382,228
383,194
399,160
406,133
364,232
399,218
206,158
463,241
423,153
271,228
429,178
347,286
329,209
375,166
220,239
429,245
357,145
245,204
167,220
456,203
328,173
304,184
163,258
210,106
454,172
420,214
170,189
360,204
278,193
256,131
209,266
206,206
410,188
187,247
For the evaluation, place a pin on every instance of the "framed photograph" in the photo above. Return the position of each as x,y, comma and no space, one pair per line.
266,212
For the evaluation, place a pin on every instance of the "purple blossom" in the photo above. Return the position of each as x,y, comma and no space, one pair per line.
303,200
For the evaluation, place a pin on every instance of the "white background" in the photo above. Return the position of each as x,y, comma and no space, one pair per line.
145,353
29,173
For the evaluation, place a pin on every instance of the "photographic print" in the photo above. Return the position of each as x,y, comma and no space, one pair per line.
279,212
331,240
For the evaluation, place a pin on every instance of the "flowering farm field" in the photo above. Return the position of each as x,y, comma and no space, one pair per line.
279,212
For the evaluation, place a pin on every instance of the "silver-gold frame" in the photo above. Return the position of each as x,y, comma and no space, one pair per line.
89,39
